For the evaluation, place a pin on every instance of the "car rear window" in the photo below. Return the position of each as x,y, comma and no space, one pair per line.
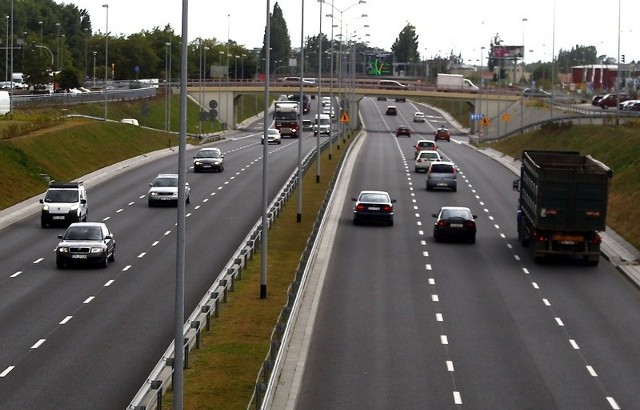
442,168
424,144
429,155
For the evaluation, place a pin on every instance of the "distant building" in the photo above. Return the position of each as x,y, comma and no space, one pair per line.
602,77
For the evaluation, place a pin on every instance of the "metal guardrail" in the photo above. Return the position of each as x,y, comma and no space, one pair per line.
149,396
63,99
584,116
265,385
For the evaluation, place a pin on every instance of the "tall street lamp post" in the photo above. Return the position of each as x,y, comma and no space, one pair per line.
106,58
236,69
86,51
167,86
40,23
6,54
94,68
57,46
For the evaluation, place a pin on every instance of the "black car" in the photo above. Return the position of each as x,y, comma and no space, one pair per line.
454,222
208,159
401,99
86,243
392,110
596,99
373,206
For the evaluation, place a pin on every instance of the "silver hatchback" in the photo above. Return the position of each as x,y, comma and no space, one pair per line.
442,174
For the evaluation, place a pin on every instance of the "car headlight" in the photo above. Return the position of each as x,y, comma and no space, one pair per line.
96,250
45,208
153,193
196,163
63,249
74,207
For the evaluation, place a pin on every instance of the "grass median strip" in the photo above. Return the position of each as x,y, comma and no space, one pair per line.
222,373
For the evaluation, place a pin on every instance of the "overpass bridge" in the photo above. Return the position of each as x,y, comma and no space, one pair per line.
228,95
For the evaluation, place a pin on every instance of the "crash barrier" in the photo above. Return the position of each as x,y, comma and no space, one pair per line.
265,382
149,396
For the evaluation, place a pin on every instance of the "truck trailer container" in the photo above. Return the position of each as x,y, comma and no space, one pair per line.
562,204
286,115
455,82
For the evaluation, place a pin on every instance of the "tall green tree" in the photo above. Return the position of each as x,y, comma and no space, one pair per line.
405,48
280,42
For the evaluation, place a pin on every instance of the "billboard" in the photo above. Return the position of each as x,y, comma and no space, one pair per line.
510,52
379,64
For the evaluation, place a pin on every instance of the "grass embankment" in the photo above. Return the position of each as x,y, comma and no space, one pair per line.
43,141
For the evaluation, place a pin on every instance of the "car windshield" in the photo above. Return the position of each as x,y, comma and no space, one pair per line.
61,196
166,182
273,131
429,155
208,154
455,214
442,168
93,233
374,197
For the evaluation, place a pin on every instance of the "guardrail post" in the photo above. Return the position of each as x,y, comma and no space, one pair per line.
185,346
196,325
206,309
156,385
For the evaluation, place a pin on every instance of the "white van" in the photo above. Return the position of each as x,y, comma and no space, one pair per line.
131,121
322,124
5,105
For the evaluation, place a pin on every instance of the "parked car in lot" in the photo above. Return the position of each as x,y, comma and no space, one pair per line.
374,206
403,130
626,105
86,243
419,117
442,133
454,222
611,100
424,145
392,110
535,92
164,190
273,136
425,159
208,159
442,174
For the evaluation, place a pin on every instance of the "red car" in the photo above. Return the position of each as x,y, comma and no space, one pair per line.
442,134
403,130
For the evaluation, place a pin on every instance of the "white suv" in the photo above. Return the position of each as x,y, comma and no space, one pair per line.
64,203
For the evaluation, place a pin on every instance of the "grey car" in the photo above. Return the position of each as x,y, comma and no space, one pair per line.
208,159
442,175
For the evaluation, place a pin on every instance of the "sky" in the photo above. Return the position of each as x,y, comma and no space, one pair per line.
464,26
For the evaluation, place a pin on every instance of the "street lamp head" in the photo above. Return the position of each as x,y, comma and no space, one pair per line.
105,5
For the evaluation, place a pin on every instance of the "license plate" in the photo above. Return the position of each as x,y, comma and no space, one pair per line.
456,225
568,243
374,208
442,184
78,256
58,217
206,166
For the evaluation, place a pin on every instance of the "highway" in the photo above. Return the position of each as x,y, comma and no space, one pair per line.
88,337
404,322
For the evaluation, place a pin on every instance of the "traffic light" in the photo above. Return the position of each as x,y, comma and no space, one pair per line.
623,58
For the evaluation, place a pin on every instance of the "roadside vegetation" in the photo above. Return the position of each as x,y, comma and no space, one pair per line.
42,144
222,373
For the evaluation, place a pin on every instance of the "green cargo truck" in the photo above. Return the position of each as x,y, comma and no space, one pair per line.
562,205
